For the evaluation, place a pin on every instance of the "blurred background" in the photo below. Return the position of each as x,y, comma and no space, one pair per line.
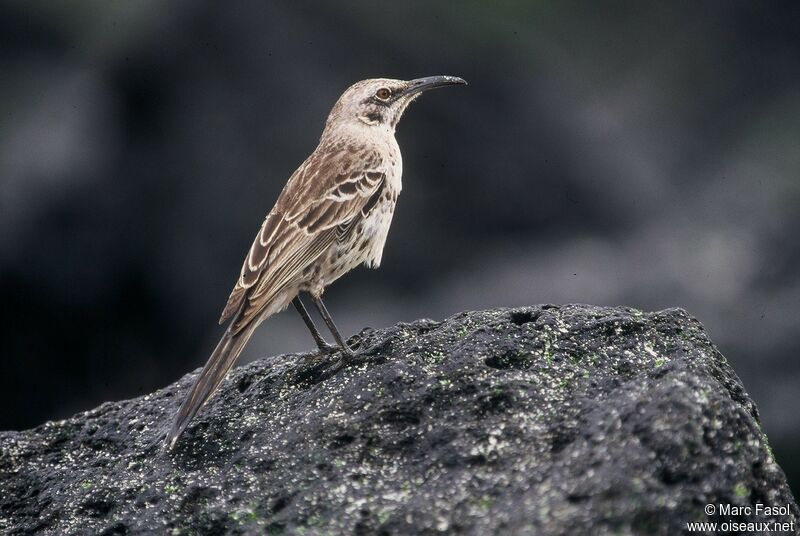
637,153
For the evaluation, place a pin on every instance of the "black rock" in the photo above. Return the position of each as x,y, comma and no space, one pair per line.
538,420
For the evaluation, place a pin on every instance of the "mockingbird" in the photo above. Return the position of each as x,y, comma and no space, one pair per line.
333,214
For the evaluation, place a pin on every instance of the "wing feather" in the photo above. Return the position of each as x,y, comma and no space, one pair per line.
323,198
280,279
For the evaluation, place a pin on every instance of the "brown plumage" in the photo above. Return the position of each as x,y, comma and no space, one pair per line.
333,214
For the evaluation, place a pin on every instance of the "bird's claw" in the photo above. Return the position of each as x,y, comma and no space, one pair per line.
355,341
328,349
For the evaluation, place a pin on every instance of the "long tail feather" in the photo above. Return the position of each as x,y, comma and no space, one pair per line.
214,371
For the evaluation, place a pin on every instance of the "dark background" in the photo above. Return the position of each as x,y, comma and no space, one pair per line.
644,155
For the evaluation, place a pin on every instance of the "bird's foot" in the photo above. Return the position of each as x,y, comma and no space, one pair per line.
322,354
355,341
326,349
347,353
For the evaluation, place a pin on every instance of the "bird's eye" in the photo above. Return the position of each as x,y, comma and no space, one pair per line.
383,93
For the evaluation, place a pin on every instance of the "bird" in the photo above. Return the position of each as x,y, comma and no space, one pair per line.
332,215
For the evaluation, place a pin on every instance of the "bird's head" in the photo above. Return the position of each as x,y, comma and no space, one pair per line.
380,102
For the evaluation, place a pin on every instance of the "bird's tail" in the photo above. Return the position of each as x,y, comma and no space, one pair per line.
215,369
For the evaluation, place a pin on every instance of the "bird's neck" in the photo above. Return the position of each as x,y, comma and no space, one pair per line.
358,132
373,139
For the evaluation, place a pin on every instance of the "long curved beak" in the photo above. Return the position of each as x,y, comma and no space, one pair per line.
431,82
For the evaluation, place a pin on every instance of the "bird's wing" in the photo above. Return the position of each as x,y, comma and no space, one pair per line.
317,207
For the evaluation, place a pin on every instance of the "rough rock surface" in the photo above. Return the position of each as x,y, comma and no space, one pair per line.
538,420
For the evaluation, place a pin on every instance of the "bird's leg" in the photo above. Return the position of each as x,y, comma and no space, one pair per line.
326,316
324,347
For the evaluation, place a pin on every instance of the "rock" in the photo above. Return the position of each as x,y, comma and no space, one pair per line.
537,420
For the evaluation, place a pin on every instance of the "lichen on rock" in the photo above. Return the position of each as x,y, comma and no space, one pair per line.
536,420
